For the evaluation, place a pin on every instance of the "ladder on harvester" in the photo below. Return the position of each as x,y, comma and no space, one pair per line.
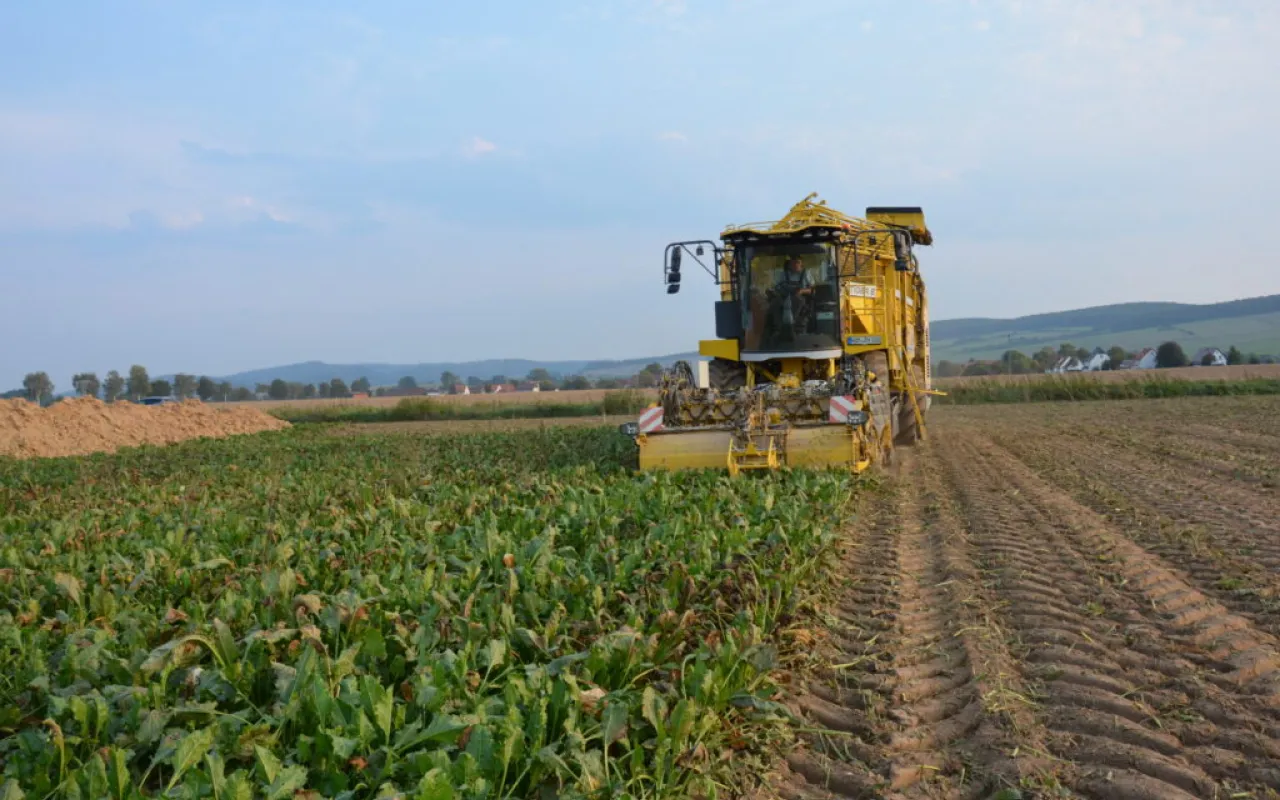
756,445
758,450
914,392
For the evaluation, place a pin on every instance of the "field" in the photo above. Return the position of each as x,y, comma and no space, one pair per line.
1231,373
304,614
570,396
1043,600
1064,599
449,426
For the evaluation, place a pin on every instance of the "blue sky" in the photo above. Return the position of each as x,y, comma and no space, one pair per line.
215,187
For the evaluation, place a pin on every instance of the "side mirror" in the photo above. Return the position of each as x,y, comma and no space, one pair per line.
631,429
698,250
673,270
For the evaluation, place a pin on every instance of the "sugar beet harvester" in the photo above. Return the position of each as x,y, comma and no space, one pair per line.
822,349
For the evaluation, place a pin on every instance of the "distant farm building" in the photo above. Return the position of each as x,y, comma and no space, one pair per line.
1145,360
1209,357
1097,360
1066,364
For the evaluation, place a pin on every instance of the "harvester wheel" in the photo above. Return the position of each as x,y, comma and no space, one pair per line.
726,375
908,432
877,361
908,428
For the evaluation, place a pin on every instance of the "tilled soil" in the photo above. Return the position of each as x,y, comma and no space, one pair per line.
1062,600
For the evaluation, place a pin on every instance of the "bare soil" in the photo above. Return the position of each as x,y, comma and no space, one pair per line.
87,425
1069,600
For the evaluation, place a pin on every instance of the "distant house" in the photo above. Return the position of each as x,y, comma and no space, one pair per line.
1216,357
359,395
1097,360
461,388
404,391
1066,364
528,386
1145,360
503,388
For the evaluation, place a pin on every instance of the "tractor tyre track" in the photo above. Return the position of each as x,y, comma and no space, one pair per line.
1035,607
1228,553
1168,659
925,687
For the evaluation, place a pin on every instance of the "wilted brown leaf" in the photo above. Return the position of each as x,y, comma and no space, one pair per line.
591,698
307,604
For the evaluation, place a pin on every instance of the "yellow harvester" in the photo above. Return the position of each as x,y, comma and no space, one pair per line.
822,355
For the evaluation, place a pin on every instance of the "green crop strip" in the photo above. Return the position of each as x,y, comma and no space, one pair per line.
419,409
1051,389
484,616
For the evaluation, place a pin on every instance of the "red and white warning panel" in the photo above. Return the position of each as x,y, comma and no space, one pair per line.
841,407
651,420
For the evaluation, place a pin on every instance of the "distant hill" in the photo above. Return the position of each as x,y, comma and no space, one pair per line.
389,374
1253,325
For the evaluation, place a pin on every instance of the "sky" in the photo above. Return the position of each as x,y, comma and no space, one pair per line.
213,187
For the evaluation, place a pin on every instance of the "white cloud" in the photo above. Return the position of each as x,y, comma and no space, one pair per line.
867,25
182,220
672,8
478,146
255,208
672,136
982,25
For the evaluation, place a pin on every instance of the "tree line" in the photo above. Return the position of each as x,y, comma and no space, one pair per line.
133,386
1168,354
38,387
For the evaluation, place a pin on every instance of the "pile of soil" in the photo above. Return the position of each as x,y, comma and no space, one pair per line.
88,425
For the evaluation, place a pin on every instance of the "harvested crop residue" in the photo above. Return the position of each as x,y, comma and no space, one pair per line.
87,425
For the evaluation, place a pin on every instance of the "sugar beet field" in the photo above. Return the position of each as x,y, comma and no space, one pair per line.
1043,600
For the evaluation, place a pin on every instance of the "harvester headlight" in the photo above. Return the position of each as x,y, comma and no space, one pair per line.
857,419
629,428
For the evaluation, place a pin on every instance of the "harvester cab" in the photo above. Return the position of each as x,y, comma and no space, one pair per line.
821,355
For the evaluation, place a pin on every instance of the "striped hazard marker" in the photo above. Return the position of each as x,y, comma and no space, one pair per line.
841,407
651,420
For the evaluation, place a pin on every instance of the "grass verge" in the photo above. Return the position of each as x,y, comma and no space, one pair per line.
420,409
1059,388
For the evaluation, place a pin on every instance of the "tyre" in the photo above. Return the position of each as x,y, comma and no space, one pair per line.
908,426
908,432
877,361
726,375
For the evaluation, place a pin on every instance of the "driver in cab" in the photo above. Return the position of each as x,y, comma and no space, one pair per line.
794,278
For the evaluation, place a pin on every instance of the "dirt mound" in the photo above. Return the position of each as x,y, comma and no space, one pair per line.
87,425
